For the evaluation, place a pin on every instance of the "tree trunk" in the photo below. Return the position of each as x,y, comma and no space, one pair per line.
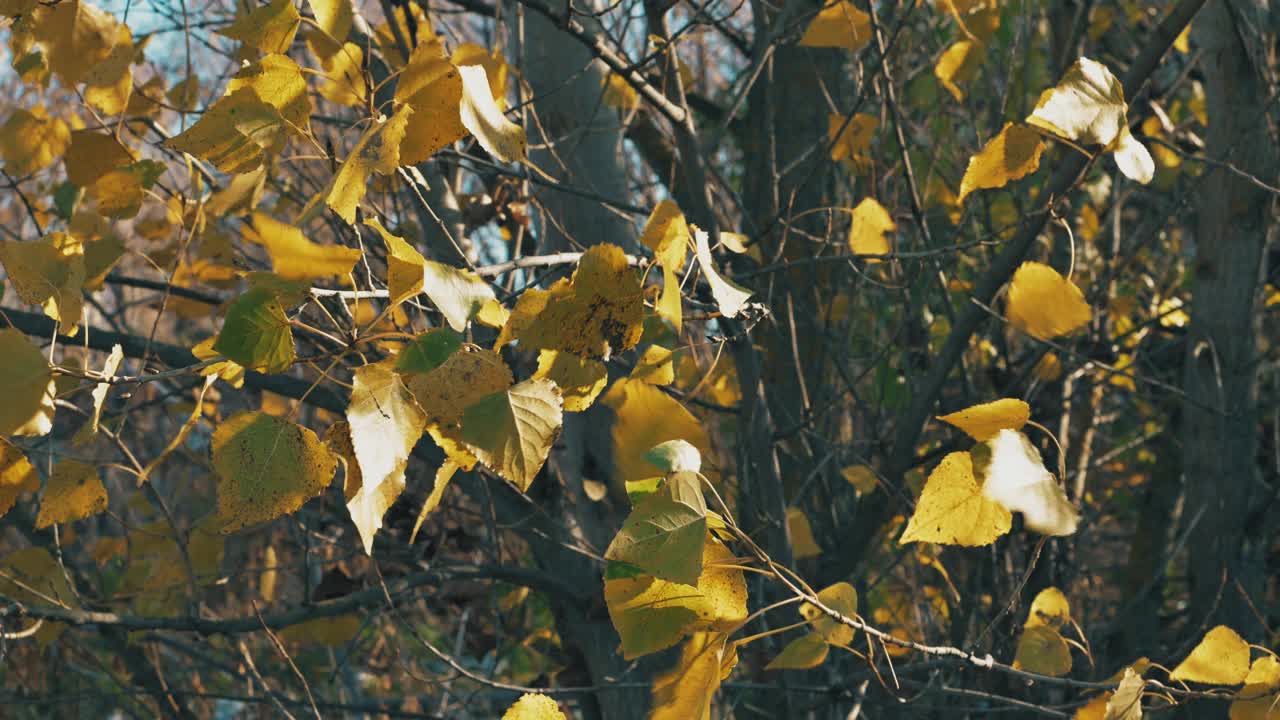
1220,466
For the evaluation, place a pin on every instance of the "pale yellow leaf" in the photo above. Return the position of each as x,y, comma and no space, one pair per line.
952,509
512,431
644,416
27,386
729,296
480,114
1013,474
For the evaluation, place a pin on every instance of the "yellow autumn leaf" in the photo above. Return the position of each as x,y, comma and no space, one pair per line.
31,140
805,652
838,25
1012,154
685,691
850,138
267,467
1221,658
378,151
344,81
500,137
1088,107
645,416
1042,650
596,313
458,293
73,492
93,154
1259,698
443,476
109,82
861,477
405,265
666,234
432,86
1126,702
651,614
1049,608
17,476
445,392
655,366
1044,304
958,65
32,575
334,632
48,272
385,423
840,597
803,544
580,379
867,231
495,68
952,509
75,36
983,421
534,706
333,18
270,28
618,93
512,430
294,257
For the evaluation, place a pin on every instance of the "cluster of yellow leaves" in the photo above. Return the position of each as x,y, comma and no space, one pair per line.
969,497
1087,107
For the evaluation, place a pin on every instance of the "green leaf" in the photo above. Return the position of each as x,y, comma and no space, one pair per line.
664,534
267,467
428,351
256,333
512,431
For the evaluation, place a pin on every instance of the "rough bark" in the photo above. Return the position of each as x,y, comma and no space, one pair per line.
1220,429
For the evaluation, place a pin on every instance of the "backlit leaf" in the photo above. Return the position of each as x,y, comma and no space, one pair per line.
93,154
267,467
405,265
840,597
1221,658
867,231
655,366
294,257
48,272
446,391
1044,304
644,417
675,456
534,706
580,379
270,28
378,151
17,476
256,332
952,509
27,386
803,653
385,423
1049,608
729,296
431,85
1258,699
652,614
1012,154
1126,701
459,294
443,476
1013,474
512,431
1042,650
664,533
666,233
686,690
958,65
983,421
429,351
73,492
480,114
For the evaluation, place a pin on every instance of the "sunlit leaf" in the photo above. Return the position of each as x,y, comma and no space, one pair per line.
459,294
1126,702
983,421
1044,304
431,85
655,366
664,533
867,231
685,691
1221,658
1012,154
385,423
256,332
1013,474
73,492
534,706
294,257
580,379
511,431
1258,699
674,456
645,417
270,28
952,509
839,25
480,114
49,272
17,476
267,467
840,597
729,296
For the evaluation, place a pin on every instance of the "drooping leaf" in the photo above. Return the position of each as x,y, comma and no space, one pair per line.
445,393
93,154
850,138
344,82
73,492
1044,304
805,652
378,151
1221,658
385,423
1042,650
958,65
17,476
871,222
511,431
580,379
861,477
666,233
1050,608
1012,154
267,467
49,272
256,333
840,597
686,690
480,114
952,509
729,296
839,24
405,265
983,421
1013,474
27,386
75,37
294,257
655,366
645,417
443,476
652,614
432,85
534,706
664,533
803,543
120,192
459,294
100,390
1126,702
109,82
675,456
1088,106
333,17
